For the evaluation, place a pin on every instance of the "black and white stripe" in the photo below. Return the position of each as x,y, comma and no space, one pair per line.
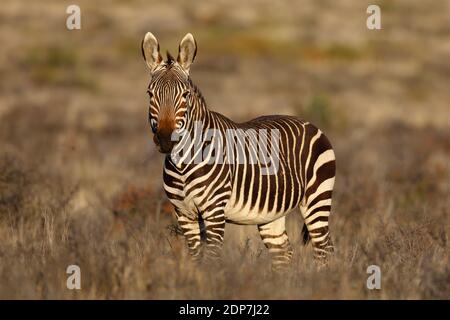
207,194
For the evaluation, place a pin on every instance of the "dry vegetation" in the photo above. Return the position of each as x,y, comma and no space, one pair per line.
80,181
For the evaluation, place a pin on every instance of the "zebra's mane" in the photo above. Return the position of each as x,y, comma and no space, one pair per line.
197,92
170,60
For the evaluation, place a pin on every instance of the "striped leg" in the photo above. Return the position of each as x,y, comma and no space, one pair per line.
215,230
275,239
316,216
319,175
191,231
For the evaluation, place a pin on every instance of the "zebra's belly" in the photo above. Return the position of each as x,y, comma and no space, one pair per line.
247,215
263,198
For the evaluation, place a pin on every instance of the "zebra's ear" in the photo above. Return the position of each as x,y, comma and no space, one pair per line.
150,51
187,51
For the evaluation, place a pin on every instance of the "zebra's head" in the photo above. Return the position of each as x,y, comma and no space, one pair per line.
169,89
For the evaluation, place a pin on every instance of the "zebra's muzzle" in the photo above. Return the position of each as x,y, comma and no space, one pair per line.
164,142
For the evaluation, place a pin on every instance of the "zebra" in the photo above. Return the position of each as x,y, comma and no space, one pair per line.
206,195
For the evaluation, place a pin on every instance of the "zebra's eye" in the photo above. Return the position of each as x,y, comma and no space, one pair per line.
150,94
154,124
180,124
185,94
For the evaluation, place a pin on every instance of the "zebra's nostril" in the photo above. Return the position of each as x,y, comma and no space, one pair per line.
163,139
166,146
156,139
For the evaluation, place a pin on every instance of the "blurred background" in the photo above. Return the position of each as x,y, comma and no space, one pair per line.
81,181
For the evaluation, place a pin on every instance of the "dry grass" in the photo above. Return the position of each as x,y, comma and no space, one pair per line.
80,181
126,247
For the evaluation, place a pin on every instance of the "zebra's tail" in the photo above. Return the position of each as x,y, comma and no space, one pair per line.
306,238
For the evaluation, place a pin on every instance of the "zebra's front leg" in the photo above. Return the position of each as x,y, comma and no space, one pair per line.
276,240
191,231
214,221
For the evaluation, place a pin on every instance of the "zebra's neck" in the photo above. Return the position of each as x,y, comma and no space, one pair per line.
200,119
198,108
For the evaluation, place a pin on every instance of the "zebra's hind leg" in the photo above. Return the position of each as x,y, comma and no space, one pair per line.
276,240
317,231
